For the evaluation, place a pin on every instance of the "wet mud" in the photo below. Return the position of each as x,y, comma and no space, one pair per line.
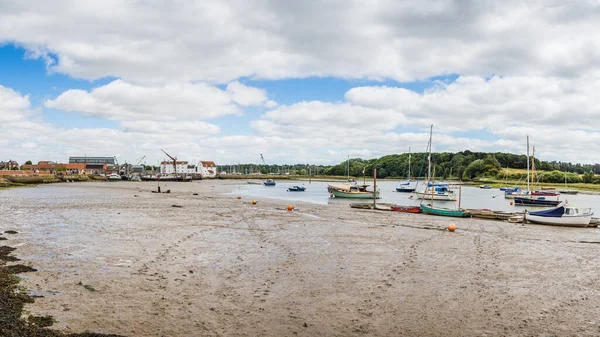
222,266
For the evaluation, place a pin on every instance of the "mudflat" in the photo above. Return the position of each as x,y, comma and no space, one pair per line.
116,258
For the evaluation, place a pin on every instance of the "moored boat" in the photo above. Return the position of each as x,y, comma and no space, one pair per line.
114,177
296,189
405,187
562,216
535,201
485,187
269,182
351,191
546,193
437,193
406,209
568,191
459,213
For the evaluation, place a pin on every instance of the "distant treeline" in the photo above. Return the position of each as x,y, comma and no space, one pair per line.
464,165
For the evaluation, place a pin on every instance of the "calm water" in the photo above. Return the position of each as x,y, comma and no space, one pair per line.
472,197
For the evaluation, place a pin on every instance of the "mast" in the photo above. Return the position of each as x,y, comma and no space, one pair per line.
533,166
348,164
428,165
459,192
409,163
528,164
429,156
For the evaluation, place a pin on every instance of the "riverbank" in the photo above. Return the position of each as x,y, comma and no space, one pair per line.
214,265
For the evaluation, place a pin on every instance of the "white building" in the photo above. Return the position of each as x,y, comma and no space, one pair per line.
183,167
208,169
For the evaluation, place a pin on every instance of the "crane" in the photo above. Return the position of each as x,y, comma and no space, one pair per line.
263,161
140,161
174,161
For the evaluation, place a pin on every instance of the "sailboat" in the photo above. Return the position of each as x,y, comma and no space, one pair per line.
351,189
531,200
567,191
429,208
438,191
406,186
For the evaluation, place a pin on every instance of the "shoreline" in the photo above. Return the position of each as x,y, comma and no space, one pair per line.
217,265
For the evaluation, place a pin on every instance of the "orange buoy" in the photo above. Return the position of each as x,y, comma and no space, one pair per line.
290,207
253,202
511,203
239,197
452,227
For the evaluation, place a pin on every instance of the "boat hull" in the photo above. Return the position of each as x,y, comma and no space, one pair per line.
352,195
296,189
406,209
436,196
520,201
568,221
405,189
445,212
568,191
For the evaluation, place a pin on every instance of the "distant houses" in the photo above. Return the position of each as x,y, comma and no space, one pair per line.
208,169
183,167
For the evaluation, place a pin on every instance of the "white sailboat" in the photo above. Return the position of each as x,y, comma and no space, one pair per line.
437,191
406,186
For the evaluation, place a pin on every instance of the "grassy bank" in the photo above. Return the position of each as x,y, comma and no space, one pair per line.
13,298
21,180
523,184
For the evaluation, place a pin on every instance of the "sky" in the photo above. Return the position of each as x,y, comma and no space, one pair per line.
298,82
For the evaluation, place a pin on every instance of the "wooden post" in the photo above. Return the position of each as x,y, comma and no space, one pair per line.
374,188
459,192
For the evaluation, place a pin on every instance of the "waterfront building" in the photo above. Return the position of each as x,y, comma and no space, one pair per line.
208,169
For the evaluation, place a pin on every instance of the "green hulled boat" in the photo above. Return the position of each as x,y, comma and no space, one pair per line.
459,213
351,191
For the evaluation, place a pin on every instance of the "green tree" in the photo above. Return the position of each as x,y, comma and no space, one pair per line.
588,177
28,162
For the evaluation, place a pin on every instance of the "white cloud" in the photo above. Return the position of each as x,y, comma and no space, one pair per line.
246,96
13,106
474,103
223,41
120,100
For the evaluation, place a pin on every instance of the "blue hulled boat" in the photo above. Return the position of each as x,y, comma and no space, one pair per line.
296,189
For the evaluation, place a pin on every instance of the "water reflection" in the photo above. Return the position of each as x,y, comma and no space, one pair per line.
472,196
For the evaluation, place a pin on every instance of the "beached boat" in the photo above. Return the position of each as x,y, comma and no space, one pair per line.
485,187
269,182
441,193
406,187
492,214
406,209
296,189
114,177
459,213
516,192
351,191
572,192
161,178
535,201
565,190
430,194
561,216
545,193
378,207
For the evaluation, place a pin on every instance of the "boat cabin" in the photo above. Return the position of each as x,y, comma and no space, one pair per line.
359,188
